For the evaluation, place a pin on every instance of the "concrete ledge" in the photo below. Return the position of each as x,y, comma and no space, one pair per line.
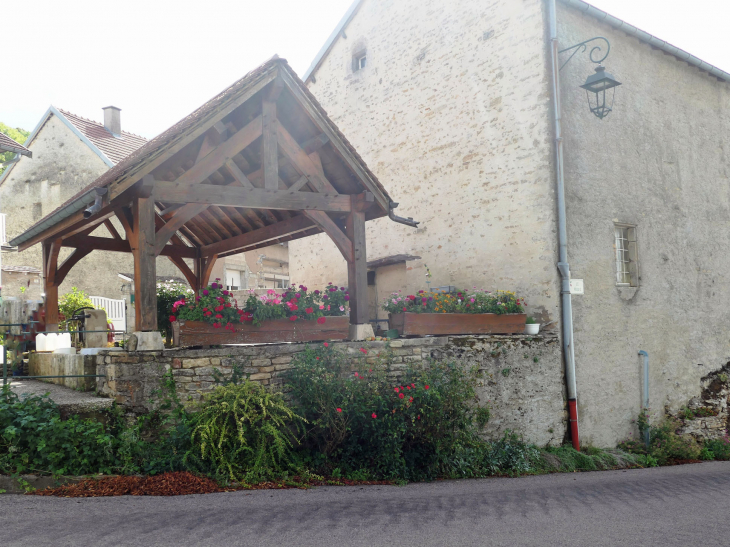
35,482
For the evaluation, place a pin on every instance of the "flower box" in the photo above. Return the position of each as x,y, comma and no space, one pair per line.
419,324
199,333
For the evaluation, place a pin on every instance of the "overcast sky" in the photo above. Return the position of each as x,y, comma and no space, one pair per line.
159,60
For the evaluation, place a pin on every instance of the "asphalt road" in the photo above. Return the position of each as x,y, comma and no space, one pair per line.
684,505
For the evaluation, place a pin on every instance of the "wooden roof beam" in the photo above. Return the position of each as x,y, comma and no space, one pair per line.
123,246
254,198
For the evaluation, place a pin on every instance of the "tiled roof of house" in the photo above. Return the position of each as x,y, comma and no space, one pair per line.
9,145
114,148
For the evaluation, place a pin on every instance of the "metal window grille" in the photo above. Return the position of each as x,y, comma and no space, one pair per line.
3,239
623,259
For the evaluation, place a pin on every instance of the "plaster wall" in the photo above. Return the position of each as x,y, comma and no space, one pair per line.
61,166
658,161
451,112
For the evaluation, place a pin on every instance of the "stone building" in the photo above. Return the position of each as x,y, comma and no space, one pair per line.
451,103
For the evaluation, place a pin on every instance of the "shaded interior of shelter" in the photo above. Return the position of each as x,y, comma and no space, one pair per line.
216,224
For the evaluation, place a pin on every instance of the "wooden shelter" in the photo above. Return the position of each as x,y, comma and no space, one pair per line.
258,164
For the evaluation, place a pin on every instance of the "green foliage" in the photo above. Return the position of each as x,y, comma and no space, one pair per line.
245,432
34,439
701,412
18,135
565,459
474,301
362,419
168,293
665,445
719,448
70,302
530,320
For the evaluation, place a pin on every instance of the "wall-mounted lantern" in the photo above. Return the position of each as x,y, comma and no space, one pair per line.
596,87
599,83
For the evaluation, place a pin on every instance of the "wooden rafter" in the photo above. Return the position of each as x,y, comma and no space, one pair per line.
122,246
302,161
254,198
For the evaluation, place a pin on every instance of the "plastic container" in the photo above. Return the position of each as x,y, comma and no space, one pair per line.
532,328
51,341
65,340
40,342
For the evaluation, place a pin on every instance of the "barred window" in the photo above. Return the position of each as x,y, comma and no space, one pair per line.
627,268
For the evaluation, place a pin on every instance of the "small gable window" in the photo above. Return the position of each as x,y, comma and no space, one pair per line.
359,61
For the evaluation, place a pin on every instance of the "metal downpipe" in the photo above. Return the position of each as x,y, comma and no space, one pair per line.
645,398
563,265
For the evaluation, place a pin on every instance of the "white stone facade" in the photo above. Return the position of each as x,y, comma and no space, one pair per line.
453,113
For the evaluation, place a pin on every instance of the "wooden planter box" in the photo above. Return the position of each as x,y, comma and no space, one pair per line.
419,324
199,333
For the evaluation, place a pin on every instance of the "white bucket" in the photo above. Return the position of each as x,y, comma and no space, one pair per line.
40,342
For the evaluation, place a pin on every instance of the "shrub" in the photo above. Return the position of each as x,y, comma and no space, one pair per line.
720,448
34,439
665,445
244,432
168,293
473,301
70,302
363,419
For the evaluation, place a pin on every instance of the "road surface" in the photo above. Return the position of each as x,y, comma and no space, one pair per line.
683,505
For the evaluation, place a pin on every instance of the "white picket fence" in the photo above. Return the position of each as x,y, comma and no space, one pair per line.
116,311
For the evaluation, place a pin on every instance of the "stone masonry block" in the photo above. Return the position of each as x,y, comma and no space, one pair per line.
260,362
194,363
260,376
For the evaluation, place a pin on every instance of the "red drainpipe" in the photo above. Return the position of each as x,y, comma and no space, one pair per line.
573,419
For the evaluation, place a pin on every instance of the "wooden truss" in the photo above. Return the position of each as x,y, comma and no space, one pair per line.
267,166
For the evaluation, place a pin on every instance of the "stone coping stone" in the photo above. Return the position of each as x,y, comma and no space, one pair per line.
288,348
68,400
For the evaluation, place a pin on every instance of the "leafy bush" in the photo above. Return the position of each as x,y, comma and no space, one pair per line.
719,448
169,292
70,302
34,439
245,432
665,445
363,419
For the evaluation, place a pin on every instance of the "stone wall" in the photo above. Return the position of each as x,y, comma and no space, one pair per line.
452,114
523,380
659,161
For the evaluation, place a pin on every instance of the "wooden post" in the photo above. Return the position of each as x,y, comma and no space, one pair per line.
357,270
50,288
203,268
270,147
145,271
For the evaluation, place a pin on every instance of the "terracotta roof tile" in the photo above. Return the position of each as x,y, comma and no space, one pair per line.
114,148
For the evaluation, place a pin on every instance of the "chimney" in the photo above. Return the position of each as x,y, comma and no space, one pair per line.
112,120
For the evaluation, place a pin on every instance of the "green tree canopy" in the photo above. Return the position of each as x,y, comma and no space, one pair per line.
18,135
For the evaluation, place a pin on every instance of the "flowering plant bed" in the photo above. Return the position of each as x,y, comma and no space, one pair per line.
458,312
298,315
199,333
419,324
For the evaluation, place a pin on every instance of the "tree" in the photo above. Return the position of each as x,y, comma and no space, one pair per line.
18,135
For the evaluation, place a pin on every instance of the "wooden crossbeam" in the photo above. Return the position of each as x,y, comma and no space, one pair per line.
237,174
209,164
70,262
323,220
302,161
122,246
315,143
252,198
269,233
112,230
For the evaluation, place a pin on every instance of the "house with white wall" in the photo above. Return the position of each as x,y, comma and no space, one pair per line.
454,103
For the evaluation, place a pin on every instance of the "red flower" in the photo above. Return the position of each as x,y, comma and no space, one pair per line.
404,309
317,358
374,415
321,320
426,387
205,309
173,319
339,409
218,316
356,375
396,389
309,310
408,387
294,307
325,344
293,318
410,399
363,350
400,395
419,416
228,305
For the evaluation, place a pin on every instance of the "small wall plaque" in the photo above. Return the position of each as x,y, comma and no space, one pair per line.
576,286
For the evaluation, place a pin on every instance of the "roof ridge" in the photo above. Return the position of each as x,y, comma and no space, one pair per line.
100,124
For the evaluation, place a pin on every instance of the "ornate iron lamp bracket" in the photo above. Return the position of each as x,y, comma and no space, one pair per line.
583,46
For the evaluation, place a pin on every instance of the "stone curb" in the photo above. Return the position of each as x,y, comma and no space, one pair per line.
11,485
